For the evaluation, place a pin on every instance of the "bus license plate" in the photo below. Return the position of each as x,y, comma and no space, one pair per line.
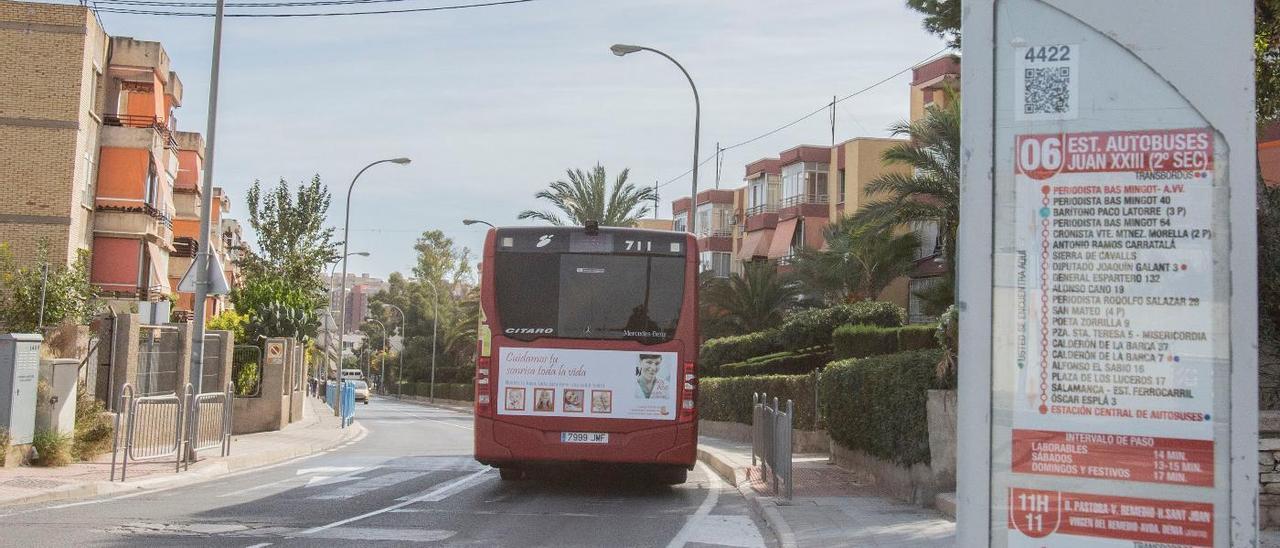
584,437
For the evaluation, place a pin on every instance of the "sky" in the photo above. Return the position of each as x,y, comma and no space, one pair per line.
494,103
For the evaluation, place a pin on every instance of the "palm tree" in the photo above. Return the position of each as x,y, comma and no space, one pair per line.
752,301
859,262
584,198
931,192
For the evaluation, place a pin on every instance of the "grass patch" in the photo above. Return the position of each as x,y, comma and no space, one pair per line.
52,448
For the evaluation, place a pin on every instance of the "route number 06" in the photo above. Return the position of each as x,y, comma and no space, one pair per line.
1040,155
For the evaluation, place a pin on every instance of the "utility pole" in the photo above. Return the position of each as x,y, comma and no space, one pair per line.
655,198
833,120
719,162
206,205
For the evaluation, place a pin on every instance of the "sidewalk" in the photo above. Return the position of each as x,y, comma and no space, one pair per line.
317,431
829,507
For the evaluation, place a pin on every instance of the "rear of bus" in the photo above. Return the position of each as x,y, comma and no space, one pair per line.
587,344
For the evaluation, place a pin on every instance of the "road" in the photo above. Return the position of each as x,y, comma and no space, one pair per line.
410,481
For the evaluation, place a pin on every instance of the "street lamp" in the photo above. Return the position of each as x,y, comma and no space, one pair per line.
369,370
470,222
400,368
624,49
435,322
346,239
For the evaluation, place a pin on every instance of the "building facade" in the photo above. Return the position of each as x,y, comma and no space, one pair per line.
714,213
91,161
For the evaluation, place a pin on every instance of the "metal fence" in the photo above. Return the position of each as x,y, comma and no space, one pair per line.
243,355
170,427
159,357
771,442
347,392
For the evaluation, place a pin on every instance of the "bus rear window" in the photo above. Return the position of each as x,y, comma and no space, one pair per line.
589,296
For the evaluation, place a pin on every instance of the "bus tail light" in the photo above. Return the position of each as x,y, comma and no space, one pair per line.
688,392
483,364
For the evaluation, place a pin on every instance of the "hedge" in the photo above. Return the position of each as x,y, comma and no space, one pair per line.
781,363
814,327
877,404
918,337
729,399
717,352
454,374
860,341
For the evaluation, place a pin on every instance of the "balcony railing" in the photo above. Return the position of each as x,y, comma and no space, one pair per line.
715,233
185,247
149,209
141,121
763,208
801,199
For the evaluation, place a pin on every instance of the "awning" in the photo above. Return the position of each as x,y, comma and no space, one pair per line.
755,244
159,276
781,244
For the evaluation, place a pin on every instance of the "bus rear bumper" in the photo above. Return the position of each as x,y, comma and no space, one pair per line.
503,444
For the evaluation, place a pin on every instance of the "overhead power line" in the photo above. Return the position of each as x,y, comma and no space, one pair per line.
809,115
132,11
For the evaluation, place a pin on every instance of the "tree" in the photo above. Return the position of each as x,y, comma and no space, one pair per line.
584,198
439,260
858,263
931,192
68,296
757,299
293,244
941,18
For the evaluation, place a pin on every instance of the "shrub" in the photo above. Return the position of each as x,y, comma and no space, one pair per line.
717,352
917,337
782,363
454,374
814,327
52,448
4,444
877,404
729,399
247,378
94,428
860,341
456,391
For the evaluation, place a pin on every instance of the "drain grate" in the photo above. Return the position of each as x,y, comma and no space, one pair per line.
32,483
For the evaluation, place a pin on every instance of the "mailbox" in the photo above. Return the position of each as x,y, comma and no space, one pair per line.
19,371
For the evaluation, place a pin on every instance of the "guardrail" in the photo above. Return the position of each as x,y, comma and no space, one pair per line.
347,392
160,427
771,442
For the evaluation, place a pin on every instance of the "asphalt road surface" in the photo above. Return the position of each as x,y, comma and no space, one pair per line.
410,481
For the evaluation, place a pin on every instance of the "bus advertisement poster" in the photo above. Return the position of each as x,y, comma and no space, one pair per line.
561,382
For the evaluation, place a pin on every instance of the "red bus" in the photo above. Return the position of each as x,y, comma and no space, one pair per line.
587,344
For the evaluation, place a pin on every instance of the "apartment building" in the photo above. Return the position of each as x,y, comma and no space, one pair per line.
783,206
930,83
53,60
90,157
714,213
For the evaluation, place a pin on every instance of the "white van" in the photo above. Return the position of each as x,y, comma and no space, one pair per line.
352,374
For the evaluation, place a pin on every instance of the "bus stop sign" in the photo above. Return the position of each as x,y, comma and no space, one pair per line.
1107,277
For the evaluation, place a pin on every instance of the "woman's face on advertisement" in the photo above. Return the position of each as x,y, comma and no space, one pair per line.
648,369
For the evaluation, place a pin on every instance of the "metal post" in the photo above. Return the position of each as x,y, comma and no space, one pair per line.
435,323
44,284
400,368
206,204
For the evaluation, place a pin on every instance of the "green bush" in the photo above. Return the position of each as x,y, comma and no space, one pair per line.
4,444
917,337
454,374
717,352
456,391
860,341
52,448
814,327
729,399
247,378
94,428
781,363
877,404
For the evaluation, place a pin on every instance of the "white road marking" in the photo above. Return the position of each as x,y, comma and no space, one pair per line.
450,488
366,486
349,474
262,545
385,533
709,503
418,417
737,531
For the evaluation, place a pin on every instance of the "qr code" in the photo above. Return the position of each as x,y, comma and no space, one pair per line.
1047,90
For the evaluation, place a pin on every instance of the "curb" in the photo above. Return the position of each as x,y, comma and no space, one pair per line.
197,474
764,507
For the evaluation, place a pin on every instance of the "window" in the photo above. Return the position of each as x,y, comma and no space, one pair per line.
713,219
95,108
589,296
681,222
152,197
840,186
718,263
804,183
927,233
797,237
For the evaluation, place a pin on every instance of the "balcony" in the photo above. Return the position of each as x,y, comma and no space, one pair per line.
184,247
141,220
137,121
804,205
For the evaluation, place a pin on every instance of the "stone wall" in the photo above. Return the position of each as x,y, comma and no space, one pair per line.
1269,468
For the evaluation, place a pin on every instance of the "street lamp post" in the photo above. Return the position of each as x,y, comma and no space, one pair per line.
346,239
470,222
435,322
368,372
623,49
400,368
